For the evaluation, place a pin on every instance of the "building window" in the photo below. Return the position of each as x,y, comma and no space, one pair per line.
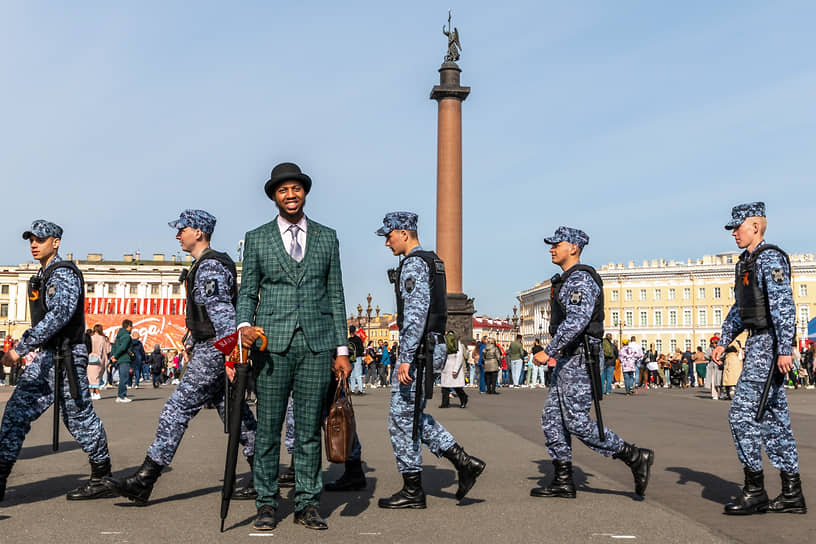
176,288
658,318
628,294
687,344
672,293
90,288
154,288
112,289
658,294
644,345
644,319
701,292
4,290
804,314
614,295
673,345
133,289
3,310
717,317
629,318
730,292
615,318
659,345
687,318
703,343
802,290
673,318
686,293
702,318
717,292
643,294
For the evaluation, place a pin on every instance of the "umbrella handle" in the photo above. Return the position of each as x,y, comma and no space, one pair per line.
264,343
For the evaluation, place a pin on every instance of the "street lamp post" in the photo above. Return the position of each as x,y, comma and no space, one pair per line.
368,311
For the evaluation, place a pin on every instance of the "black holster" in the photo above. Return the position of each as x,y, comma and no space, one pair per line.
70,370
424,378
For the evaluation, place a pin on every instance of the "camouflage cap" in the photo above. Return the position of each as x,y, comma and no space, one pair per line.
568,234
397,221
41,228
195,219
741,212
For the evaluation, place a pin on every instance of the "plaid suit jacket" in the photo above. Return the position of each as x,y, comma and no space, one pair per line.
280,294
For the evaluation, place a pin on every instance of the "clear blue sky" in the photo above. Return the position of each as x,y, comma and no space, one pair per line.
641,122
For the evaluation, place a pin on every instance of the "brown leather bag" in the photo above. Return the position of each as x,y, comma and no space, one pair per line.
340,426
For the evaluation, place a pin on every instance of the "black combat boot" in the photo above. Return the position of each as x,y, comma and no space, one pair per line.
468,468
410,496
139,486
5,470
287,475
353,479
95,488
247,492
463,398
753,499
561,486
640,460
791,500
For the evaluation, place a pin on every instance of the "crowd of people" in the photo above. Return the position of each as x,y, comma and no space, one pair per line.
108,361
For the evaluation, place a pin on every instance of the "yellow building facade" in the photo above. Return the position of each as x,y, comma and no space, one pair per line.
670,304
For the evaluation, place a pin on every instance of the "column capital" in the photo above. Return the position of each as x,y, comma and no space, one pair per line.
449,86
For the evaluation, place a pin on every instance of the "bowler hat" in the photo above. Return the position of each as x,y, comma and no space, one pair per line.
286,171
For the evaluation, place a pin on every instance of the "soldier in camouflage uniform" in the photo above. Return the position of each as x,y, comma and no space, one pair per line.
764,307
211,289
56,296
577,312
422,311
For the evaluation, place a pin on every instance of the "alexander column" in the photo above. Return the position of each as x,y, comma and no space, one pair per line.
449,94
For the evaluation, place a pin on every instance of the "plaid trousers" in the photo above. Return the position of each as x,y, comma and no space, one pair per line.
305,374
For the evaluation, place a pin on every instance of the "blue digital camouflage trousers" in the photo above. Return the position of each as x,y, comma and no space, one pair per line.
400,426
566,412
35,393
773,432
203,381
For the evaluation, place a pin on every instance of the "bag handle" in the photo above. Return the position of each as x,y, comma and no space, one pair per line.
343,386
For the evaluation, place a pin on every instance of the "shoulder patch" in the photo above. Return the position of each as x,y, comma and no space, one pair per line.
440,266
410,283
52,290
211,287
576,297
778,275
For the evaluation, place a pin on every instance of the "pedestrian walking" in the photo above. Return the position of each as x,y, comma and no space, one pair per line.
56,295
453,375
764,307
211,285
421,317
576,328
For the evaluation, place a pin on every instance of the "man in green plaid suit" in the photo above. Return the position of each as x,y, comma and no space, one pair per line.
292,289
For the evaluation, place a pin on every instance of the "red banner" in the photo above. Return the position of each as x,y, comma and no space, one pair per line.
164,330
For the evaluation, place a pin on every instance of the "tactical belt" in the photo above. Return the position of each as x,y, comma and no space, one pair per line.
754,332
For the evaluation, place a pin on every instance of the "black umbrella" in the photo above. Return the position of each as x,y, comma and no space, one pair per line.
236,401
234,423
